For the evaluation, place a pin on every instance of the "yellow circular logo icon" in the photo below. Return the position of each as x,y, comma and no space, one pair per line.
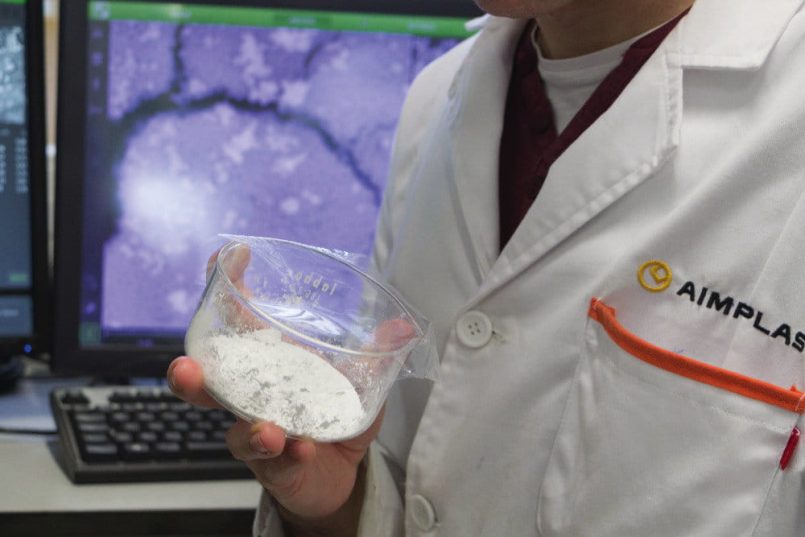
654,276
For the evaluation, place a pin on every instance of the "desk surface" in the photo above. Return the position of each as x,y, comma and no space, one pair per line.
34,482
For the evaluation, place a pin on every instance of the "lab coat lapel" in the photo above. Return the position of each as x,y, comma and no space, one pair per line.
622,148
478,99
640,131
628,144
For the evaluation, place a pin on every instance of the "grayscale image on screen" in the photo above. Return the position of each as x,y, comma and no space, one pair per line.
12,75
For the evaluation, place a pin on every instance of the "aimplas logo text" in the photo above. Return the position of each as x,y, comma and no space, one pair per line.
735,309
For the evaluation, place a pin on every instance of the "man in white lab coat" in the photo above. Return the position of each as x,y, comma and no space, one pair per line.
620,311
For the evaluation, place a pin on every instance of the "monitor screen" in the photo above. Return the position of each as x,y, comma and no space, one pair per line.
180,122
23,229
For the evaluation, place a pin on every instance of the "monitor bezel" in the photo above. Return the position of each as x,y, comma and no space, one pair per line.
40,292
121,360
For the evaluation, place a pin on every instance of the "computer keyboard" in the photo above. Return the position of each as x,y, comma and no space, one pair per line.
124,434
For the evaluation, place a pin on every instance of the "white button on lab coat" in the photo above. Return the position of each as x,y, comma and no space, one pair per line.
421,513
474,329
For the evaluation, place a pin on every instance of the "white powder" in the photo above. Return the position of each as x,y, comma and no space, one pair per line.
261,377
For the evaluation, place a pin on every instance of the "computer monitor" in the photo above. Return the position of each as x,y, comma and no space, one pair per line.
182,121
24,271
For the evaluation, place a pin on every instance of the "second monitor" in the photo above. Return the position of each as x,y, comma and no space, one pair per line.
24,287
178,122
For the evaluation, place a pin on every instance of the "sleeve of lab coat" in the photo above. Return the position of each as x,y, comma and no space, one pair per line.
381,514
267,523
383,510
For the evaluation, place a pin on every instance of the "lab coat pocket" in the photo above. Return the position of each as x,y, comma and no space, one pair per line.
657,444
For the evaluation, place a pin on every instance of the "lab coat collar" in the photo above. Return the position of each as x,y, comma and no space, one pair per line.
590,176
746,31
732,34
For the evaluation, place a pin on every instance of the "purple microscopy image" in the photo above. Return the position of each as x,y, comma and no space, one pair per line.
142,65
254,131
246,63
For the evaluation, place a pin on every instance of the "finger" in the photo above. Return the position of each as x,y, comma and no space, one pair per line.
249,442
390,337
301,451
393,334
186,380
278,474
235,263
211,263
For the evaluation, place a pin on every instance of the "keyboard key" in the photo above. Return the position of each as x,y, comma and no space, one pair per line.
93,427
132,427
74,397
150,396
90,417
136,451
217,414
197,436
122,437
121,397
95,438
157,426
168,397
147,436
180,426
208,449
172,436
119,417
204,426
171,449
100,452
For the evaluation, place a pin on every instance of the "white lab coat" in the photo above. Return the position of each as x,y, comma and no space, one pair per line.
547,421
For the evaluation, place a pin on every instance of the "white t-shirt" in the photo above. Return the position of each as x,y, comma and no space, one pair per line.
570,82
